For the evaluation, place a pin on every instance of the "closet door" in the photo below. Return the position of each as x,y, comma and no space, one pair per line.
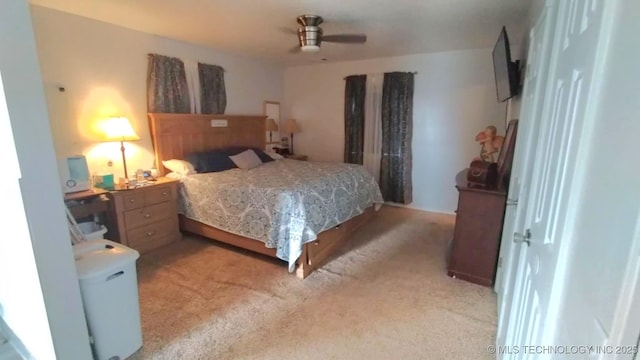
539,281
540,41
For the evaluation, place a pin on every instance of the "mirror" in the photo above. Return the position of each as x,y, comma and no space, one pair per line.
272,110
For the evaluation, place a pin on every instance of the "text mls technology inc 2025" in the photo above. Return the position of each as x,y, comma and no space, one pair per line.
562,349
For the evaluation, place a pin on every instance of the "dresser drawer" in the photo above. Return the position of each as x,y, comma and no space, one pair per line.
151,236
149,214
133,200
157,194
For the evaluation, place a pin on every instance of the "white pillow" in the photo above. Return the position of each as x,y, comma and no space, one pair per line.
181,167
246,160
274,155
175,175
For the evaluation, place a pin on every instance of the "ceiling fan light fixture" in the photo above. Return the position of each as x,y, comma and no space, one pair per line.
310,35
310,48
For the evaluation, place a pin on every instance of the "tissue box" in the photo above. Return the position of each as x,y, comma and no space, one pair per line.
104,181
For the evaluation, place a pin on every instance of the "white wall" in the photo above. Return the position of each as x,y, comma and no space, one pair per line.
39,289
454,99
104,69
21,300
520,53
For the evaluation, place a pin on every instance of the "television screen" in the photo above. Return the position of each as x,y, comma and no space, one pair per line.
503,68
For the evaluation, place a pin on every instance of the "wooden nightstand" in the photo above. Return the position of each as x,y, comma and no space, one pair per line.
144,217
297,157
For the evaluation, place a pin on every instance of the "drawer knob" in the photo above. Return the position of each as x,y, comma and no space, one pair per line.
132,200
164,193
150,233
147,215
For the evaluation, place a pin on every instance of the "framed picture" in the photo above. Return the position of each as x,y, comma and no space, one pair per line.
505,159
272,110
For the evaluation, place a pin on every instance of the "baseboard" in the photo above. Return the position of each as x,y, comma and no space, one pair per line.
10,345
412,207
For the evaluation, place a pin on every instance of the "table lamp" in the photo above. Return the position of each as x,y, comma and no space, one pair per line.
291,127
271,126
119,129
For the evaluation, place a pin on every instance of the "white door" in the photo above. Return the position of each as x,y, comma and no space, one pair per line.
568,93
540,41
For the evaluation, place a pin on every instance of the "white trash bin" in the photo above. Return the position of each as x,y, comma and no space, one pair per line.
92,231
109,287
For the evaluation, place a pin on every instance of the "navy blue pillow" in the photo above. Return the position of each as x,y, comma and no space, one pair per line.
218,160
210,161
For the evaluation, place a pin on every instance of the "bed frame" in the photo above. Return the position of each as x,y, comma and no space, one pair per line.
176,135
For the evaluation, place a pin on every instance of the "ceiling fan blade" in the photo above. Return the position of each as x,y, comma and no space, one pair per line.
345,38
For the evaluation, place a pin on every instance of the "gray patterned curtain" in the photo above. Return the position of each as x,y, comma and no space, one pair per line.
213,94
354,95
397,129
167,90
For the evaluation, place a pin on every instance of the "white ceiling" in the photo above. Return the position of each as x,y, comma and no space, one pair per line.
255,27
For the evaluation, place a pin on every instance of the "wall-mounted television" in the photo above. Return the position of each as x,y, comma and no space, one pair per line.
505,70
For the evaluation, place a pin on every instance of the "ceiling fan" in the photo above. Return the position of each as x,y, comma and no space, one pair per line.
310,35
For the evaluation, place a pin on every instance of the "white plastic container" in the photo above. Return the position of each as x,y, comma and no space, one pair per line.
92,231
109,287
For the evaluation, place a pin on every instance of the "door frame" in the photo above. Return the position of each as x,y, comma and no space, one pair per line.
626,323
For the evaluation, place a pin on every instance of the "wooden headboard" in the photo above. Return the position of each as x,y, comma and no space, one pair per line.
175,136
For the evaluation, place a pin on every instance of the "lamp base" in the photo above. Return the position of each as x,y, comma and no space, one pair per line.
124,160
291,145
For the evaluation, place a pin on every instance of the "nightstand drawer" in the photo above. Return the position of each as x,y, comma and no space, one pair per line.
133,200
151,236
148,214
157,194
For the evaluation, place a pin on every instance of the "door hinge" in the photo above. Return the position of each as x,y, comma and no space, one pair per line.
519,238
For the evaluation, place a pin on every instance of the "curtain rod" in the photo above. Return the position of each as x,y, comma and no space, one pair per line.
149,55
412,72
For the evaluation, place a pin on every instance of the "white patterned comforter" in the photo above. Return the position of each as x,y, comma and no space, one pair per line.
284,203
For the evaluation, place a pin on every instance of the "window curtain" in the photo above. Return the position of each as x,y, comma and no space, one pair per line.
373,125
167,90
397,129
354,102
212,90
193,84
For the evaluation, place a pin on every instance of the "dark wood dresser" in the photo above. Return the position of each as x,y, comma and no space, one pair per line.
474,250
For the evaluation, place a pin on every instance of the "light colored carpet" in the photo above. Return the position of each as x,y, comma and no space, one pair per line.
385,295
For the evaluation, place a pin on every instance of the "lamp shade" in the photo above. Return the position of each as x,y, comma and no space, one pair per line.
291,127
271,125
119,129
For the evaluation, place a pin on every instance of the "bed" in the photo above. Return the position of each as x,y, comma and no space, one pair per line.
297,211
